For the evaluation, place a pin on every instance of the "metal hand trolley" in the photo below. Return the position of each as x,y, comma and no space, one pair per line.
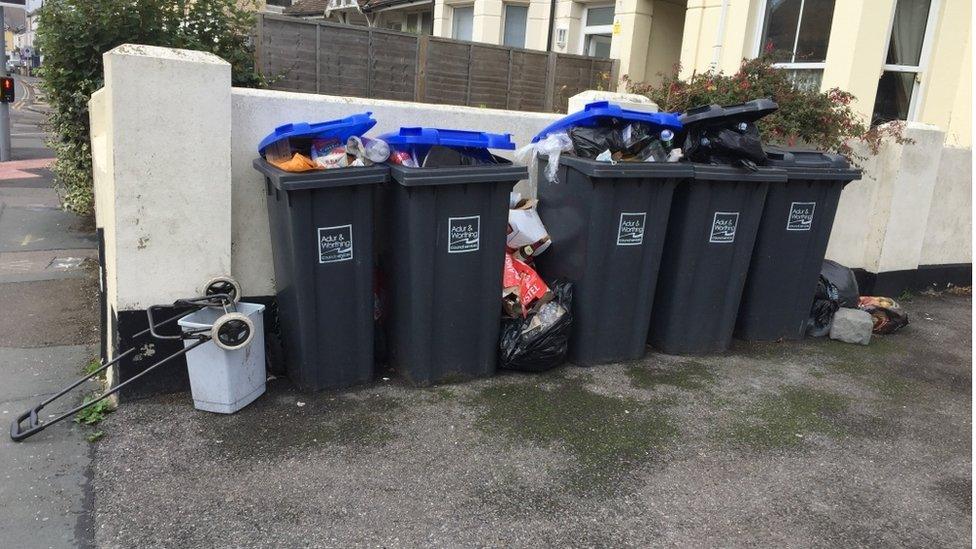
232,330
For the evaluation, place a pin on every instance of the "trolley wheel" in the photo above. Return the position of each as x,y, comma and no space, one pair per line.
223,285
232,331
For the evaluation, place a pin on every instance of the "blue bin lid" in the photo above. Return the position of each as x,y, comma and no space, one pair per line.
593,113
341,129
449,138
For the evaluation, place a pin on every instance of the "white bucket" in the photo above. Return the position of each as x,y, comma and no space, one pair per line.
225,381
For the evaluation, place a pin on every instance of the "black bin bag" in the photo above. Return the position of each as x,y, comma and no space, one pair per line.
532,345
726,135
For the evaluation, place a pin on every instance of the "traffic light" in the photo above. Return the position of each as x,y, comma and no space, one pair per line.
6,89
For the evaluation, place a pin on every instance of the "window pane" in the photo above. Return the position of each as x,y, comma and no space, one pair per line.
463,23
515,17
805,79
427,23
598,45
894,96
907,32
814,30
779,27
599,16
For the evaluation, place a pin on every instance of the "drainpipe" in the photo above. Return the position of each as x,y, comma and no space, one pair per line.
720,36
552,23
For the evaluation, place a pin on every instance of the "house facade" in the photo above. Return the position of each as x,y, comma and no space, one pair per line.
902,59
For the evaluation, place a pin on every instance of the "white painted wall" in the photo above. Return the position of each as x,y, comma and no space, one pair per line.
179,201
256,113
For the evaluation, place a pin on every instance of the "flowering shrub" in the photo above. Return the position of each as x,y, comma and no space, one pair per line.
822,120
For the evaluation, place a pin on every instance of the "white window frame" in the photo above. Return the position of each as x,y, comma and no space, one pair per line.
919,89
596,29
792,64
505,6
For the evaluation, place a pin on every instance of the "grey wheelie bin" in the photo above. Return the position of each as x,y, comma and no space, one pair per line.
607,224
712,229
322,243
447,229
791,243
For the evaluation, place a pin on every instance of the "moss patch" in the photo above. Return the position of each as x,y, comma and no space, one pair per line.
607,436
684,375
785,419
274,428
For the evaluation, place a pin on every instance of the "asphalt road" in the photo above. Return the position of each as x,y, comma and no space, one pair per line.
48,330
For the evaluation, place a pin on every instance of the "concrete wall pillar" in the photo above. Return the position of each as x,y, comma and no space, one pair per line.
858,38
702,33
882,221
442,20
631,29
167,181
537,25
569,16
487,26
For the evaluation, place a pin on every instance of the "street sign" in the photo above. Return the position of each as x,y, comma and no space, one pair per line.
6,89
22,4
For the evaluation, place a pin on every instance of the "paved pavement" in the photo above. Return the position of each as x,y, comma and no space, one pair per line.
48,332
797,444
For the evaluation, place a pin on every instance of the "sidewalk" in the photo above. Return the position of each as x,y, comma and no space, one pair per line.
48,333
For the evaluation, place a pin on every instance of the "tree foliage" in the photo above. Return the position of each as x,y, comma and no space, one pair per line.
809,117
73,34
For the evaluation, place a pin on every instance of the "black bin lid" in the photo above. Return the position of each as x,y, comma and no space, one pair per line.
714,115
810,164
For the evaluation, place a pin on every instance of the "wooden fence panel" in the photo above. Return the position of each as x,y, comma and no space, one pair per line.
489,77
528,87
334,59
289,51
448,62
393,65
343,61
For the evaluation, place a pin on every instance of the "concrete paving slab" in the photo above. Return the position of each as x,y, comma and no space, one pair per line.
44,494
27,197
29,229
813,443
49,312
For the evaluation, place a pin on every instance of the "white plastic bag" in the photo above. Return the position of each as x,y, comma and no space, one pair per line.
551,146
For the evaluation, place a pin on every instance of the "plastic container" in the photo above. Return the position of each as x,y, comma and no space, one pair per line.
791,244
447,229
711,232
322,243
225,381
607,223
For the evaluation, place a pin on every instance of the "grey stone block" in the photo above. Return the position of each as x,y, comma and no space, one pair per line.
852,326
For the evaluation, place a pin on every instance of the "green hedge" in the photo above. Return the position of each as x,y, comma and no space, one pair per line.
73,34
809,117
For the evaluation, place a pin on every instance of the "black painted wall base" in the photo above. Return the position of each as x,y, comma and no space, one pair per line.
926,277
172,377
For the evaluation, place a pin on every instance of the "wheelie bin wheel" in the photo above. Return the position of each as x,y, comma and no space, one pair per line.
232,331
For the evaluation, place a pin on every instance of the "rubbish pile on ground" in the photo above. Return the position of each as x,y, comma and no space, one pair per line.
842,313
537,317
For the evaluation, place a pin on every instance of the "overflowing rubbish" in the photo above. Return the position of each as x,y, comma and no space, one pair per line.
605,132
886,313
303,147
851,326
522,287
726,135
539,341
227,330
444,148
844,281
527,236
825,303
